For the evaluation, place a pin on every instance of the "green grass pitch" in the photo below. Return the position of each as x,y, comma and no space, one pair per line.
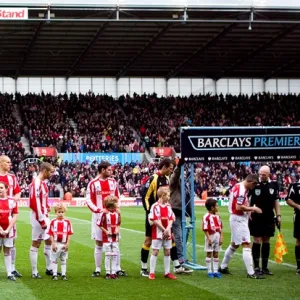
283,285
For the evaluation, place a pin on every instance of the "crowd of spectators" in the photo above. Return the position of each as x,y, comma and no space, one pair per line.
158,119
10,131
102,124
99,124
213,179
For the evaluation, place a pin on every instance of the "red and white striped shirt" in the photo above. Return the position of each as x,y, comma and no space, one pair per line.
12,182
8,207
239,195
38,200
163,213
97,190
60,230
110,221
211,223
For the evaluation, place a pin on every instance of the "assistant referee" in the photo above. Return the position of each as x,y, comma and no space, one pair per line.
262,226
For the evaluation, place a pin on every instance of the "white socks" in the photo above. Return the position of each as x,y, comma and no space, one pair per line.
54,268
215,265
63,267
7,261
98,258
227,256
208,264
153,260
167,261
47,251
33,259
13,258
248,260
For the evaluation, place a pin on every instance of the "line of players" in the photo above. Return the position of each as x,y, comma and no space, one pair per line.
57,236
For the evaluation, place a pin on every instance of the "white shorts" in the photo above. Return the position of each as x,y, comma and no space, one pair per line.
38,233
60,254
111,247
158,244
96,231
7,242
215,246
240,233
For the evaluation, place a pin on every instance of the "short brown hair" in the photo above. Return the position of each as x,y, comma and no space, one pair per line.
4,183
111,201
252,178
46,166
210,203
166,162
103,165
60,206
162,191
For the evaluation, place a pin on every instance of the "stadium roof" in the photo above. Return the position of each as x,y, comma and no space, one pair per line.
176,40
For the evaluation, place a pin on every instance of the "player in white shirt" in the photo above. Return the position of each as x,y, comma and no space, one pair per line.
13,192
98,189
239,216
8,217
38,203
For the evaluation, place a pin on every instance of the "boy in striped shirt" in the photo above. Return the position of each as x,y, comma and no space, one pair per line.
212,227
109,223
60,230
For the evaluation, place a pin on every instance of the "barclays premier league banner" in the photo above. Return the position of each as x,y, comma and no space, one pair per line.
217,144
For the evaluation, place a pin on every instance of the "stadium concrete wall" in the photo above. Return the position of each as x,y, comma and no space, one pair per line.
175,86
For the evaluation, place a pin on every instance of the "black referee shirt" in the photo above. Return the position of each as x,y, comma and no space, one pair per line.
264,196
294,194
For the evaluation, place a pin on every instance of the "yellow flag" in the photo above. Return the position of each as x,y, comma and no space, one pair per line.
280,248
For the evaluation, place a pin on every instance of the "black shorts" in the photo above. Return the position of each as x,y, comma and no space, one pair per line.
148,227
262,226
297,226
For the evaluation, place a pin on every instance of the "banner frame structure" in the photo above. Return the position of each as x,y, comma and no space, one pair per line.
187,181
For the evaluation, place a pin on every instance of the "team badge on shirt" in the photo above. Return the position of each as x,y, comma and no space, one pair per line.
271,191
257,192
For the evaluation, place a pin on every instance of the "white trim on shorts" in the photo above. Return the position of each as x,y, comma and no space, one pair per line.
215,246
38,233
158,244
7,242
60,254
240,233
111,247
96,232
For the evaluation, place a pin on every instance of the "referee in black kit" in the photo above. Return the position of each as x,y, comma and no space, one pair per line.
293,200
262,226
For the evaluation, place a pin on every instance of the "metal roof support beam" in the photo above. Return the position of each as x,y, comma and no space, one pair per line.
279,70
147,46
256,51
28,49
91,43
200,50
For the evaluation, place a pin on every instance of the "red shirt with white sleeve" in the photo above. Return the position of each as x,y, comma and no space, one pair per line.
163,213
110,221
60,230
8,207
97,190
38,200
211,223
12,182
239,195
